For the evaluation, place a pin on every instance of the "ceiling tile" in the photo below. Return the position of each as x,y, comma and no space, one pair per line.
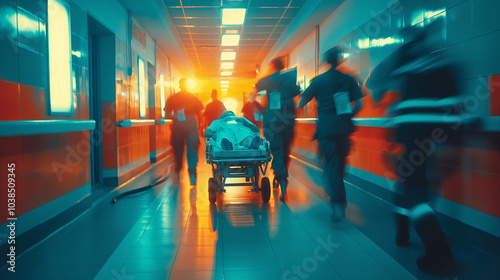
175,12
202,3
261,21
265,12
203,12
267,3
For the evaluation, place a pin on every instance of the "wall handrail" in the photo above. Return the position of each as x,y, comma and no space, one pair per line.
136,122
163,121
488,123
37,127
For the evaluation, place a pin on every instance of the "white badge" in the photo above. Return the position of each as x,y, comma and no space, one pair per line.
275,100
342,103
180,115
256,116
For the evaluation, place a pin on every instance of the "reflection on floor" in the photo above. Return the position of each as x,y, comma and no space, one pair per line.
182,236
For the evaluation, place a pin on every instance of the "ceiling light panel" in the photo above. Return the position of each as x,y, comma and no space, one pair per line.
233,16
230,40
226,65
227,55
226,73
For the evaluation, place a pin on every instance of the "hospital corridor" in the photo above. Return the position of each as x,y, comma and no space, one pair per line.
249,139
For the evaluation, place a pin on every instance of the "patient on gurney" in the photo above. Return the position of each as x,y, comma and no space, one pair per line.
230,132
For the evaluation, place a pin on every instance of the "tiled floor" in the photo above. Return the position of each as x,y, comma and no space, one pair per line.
182,236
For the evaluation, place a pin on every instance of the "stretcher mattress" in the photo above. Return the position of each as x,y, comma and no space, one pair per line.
239,154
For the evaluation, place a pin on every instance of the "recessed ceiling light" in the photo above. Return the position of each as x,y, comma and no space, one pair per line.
227,55
233,16
226,65
224,82
224,90
224,86
226,73
230,40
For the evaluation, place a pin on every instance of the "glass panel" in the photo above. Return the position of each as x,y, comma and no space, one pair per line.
162,95
59,58
142,88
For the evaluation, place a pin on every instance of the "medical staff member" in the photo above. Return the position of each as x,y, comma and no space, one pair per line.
184,108
252,110
213,110
279,119
334,91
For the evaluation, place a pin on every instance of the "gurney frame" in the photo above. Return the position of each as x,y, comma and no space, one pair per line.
235,167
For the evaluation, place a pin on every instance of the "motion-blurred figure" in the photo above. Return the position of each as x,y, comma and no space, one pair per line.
334,91
213,110
183,107
279,119
426,81
252,109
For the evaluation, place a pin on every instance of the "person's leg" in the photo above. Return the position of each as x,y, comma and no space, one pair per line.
177,142
192,144
334,181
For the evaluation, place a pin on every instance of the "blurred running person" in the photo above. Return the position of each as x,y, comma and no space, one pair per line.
334,91
213,110
279,119
184,108
252,109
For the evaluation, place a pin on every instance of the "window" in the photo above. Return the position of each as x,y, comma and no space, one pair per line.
59,36
142,87
162,95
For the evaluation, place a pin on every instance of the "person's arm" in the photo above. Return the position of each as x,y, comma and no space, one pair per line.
199,110
356,95
168,108
211,131
307,95
249,124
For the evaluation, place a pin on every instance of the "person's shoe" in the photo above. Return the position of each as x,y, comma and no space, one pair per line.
192,179
438,266
255,143
226,144
338,213
402,230
283,184
275,183
175,177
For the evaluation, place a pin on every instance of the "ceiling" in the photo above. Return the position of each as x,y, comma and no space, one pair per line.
199,26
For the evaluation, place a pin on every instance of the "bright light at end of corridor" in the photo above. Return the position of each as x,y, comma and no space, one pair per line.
233,16
191,84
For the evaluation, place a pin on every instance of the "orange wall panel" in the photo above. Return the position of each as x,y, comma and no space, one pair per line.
10,104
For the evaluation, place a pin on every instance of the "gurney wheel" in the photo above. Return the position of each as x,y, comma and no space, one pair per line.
212,190
265,188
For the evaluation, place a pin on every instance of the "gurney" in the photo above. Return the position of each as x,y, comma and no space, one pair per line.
238,163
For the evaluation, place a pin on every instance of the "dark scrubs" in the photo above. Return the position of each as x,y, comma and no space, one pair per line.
251,111
212,112
279,124
184,107
332,130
